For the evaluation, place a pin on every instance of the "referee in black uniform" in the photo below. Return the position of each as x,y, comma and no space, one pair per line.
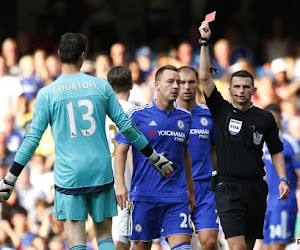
241,130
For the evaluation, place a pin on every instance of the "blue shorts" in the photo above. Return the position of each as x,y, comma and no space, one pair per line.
279,226
152,220
205,214
76,207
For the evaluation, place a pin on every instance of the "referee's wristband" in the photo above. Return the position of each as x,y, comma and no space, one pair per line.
204,42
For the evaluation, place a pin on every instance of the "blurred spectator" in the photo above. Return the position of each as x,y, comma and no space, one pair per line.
19,220
221,58
294,127
25,120
242,64
102,65
117,54
88,67
41,223
9,205
290,68
184,55
40,176
39,56
56,243
289,110
143,57
30,82
264,94
10,90
27,193
21,111
238,48
39,243
6,156
53,66
282,87
13,136
140,90
10,55
8,238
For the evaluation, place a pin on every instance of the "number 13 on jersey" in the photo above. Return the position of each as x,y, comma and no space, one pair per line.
88,116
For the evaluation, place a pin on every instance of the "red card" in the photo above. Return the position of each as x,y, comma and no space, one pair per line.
210,17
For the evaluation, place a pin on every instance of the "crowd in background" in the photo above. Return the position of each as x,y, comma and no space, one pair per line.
27,219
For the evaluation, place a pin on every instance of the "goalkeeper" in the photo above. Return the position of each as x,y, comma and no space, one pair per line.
159,208
75,105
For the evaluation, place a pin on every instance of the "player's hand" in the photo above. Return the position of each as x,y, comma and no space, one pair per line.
122,196
284,190
204,30
162,164
5,190
7,186
192,201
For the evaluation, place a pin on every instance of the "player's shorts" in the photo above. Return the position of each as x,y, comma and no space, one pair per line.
204,215
152,220
279,226
120,226
241,207
75,207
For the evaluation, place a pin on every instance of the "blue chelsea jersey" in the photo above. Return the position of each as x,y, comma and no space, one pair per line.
291,153
201,138
165,131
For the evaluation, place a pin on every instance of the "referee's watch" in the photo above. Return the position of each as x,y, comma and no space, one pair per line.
285,180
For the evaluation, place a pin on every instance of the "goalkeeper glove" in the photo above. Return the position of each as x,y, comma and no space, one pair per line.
161,163
7,186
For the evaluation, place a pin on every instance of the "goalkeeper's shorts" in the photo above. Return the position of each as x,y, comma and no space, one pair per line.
76,207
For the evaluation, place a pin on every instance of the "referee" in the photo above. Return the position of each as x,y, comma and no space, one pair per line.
241,130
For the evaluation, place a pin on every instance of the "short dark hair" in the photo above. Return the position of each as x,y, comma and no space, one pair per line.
242,73
160,71
18,210
71,46
120,79
274,107
188,68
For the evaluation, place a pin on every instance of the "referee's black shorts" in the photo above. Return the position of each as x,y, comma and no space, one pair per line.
241,206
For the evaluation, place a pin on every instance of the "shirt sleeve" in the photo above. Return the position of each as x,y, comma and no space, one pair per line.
273,135
40,121
214,101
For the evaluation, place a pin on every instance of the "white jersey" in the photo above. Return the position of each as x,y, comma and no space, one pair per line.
120,223
111,131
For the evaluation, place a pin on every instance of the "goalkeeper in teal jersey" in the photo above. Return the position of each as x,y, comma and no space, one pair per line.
75,105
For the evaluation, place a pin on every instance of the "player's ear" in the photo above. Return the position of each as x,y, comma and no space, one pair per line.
131,86
156,84
254,91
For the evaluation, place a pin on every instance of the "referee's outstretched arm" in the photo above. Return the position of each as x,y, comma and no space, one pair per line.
208,84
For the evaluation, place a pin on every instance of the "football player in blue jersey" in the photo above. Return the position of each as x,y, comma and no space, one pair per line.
76,105
281,215
203,155
159,208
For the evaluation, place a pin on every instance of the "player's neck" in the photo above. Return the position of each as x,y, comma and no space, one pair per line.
69,69
189,105
122,96
242,107
162,104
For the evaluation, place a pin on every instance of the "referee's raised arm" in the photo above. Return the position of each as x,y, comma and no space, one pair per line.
208,84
